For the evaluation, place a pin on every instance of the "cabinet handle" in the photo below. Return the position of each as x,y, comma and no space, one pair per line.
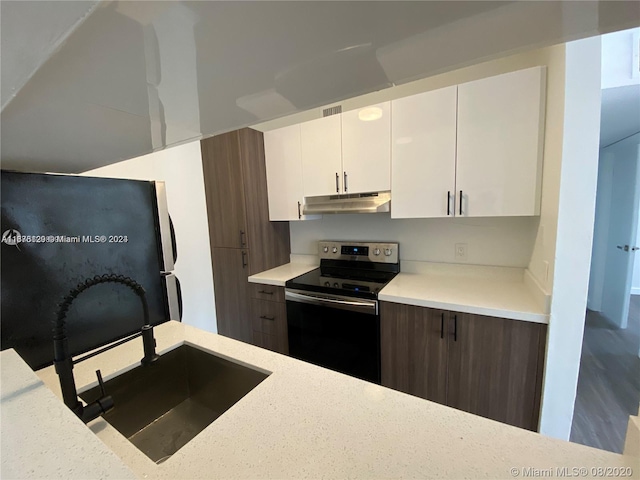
243,242
244,259
455,328
345,182
460,202
299,214
442,325
337,183
267,318
265,292
449,203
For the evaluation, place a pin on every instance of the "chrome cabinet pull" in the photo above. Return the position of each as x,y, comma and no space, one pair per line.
244,259
460,202
337,183
345,182
265,292
299,214
243,242
442,325
267,318
449,203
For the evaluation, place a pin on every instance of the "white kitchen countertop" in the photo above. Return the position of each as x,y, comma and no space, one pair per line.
41,438
278,276
302,421
492,291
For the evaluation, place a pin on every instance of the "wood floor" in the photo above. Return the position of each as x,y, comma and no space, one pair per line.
609,381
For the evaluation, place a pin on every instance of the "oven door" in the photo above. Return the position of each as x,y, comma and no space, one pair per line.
336,332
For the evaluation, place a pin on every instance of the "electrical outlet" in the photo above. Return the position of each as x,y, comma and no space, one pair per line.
461,251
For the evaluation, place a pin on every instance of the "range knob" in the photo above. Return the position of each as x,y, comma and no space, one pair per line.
387,252
327,284
336,285
334,249
376,252
325,249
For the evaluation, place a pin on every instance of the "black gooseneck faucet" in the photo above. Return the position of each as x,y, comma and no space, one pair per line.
64,363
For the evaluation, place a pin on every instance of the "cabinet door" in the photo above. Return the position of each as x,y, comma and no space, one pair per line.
494,368
320,142
270,318
283,157
366,149
230,272
224,190
500,134
414,350
423,153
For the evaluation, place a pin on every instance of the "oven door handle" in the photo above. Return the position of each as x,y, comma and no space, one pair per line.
369,307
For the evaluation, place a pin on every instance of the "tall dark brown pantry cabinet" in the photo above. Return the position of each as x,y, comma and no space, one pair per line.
243,240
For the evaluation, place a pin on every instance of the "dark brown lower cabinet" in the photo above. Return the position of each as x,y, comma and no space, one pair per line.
269,317
414,350
230,273
488,366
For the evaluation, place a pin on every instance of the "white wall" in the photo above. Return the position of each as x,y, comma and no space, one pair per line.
181,170
625,149
491,241
635,284
576,208
600,231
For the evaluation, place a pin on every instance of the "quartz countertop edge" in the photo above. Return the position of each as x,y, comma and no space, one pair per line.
280,275
510,299
304,421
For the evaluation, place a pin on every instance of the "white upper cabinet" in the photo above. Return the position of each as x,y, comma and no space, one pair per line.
500,139
284,173
321,146
366,149
423,146
472,150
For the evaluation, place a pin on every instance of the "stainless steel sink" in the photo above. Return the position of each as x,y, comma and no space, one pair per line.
161,407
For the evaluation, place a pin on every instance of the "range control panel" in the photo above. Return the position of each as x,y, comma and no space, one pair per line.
359,251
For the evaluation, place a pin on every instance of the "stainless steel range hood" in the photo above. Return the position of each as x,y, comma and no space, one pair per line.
376,202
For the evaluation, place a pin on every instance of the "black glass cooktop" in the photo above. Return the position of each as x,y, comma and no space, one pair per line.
343,281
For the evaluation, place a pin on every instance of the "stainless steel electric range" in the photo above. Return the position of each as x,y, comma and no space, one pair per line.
332,312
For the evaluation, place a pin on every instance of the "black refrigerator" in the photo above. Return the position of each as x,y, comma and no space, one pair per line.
59,230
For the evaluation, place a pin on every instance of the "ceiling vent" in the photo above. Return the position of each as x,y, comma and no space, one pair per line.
327,112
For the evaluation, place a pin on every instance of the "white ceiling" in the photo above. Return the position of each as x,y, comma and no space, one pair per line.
31,32
134,77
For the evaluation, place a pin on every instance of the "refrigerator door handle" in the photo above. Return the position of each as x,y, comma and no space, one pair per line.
174,297
165,228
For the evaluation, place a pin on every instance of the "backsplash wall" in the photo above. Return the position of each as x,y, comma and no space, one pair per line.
490,241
